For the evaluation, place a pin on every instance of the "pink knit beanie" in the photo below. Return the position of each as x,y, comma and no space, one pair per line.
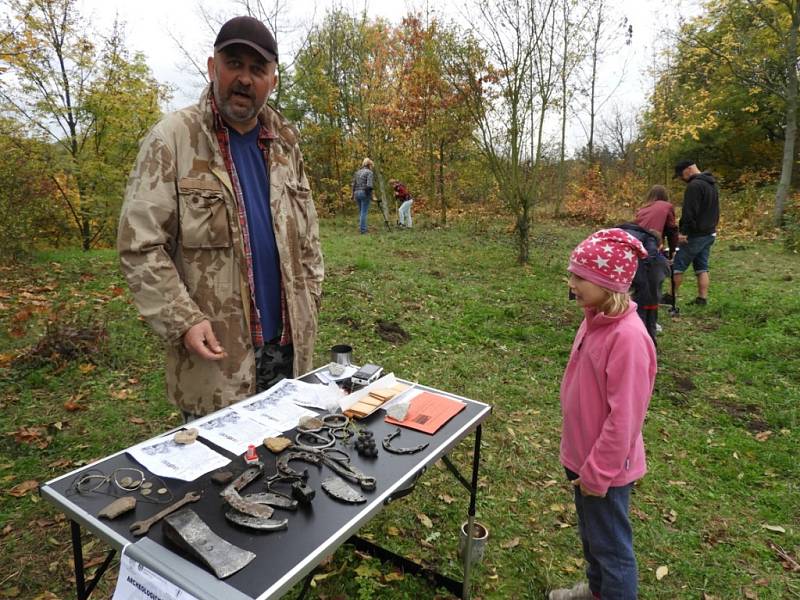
608,258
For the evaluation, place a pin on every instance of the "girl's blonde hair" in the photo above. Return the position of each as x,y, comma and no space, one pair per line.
615,304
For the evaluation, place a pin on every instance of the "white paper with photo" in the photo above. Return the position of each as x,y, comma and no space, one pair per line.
295,391
234,431
274,412
163,457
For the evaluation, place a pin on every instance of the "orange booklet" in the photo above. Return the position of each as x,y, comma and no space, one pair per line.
427,412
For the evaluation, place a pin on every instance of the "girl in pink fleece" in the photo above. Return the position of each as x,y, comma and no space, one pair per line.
604,396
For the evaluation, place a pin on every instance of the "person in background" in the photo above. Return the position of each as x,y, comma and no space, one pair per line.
658,215
605,393
362,192
405,200
218,236
697,226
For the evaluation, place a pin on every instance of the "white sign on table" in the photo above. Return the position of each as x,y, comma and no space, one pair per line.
137,582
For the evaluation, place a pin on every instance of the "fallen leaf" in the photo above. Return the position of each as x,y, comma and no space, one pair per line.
120,394
512,543
46,596
425,520
391,530
61,463
87,368
763,436
750,594
136,420
393,576
446,499
662,572
23,488
6,530
775,528
31,435
93,562
367,570
671,516
73,406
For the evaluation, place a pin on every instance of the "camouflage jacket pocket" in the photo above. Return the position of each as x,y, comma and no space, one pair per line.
301,204
204,219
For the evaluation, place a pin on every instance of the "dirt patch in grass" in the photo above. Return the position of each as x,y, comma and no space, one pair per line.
684,384
749,415
391,332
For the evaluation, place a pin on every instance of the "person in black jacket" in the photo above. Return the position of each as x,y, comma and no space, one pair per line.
697,227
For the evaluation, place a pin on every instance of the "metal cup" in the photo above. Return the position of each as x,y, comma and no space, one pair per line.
342,354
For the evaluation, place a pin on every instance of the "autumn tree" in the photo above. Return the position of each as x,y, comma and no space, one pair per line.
747,52
91,102
496,67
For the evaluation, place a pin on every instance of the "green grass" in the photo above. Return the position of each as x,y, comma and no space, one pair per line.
488,329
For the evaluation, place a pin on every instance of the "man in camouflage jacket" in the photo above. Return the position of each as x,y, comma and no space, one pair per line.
184,241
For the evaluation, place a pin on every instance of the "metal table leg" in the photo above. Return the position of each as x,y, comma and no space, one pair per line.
82,591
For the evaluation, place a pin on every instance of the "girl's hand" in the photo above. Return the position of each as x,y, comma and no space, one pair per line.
585,491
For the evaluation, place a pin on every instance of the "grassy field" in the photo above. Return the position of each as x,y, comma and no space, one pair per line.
720,504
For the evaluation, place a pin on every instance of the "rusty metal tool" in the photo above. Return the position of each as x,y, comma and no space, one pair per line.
143,526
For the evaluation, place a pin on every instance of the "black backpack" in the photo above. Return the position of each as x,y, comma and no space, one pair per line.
651,271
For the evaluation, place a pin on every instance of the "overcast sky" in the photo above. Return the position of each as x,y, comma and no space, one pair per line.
151,25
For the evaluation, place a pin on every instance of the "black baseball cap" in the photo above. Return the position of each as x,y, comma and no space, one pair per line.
680,166
250,32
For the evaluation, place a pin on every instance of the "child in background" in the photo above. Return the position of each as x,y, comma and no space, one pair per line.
658,215
604,397
405,200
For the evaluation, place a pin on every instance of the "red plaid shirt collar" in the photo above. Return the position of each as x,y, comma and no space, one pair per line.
264,138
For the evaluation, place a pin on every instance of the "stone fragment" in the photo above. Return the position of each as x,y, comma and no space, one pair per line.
222,477
146,492
162,491
126,482
277,444
118,507
186,436
147,485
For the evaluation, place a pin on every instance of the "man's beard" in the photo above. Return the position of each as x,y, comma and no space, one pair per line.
236,114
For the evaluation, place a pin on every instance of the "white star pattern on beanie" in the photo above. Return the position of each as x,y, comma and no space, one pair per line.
608,258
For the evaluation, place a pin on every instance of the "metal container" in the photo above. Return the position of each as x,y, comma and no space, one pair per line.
480,536
342,354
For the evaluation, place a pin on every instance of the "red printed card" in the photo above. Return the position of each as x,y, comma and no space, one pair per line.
427,412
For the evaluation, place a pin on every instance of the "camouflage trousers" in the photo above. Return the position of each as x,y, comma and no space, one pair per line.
273,363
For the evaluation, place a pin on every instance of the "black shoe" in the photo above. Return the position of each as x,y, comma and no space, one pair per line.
667,299
698,301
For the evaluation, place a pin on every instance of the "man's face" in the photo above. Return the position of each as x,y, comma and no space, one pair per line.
242,81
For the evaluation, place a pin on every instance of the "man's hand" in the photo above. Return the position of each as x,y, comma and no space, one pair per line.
201,341
584,490
682,239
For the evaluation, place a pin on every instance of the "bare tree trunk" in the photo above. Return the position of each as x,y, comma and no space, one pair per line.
790,134
595,58
442,200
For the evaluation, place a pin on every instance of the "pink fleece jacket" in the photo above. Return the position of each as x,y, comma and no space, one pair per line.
604,396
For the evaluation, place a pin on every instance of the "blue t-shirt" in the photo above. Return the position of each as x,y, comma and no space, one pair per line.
248,160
